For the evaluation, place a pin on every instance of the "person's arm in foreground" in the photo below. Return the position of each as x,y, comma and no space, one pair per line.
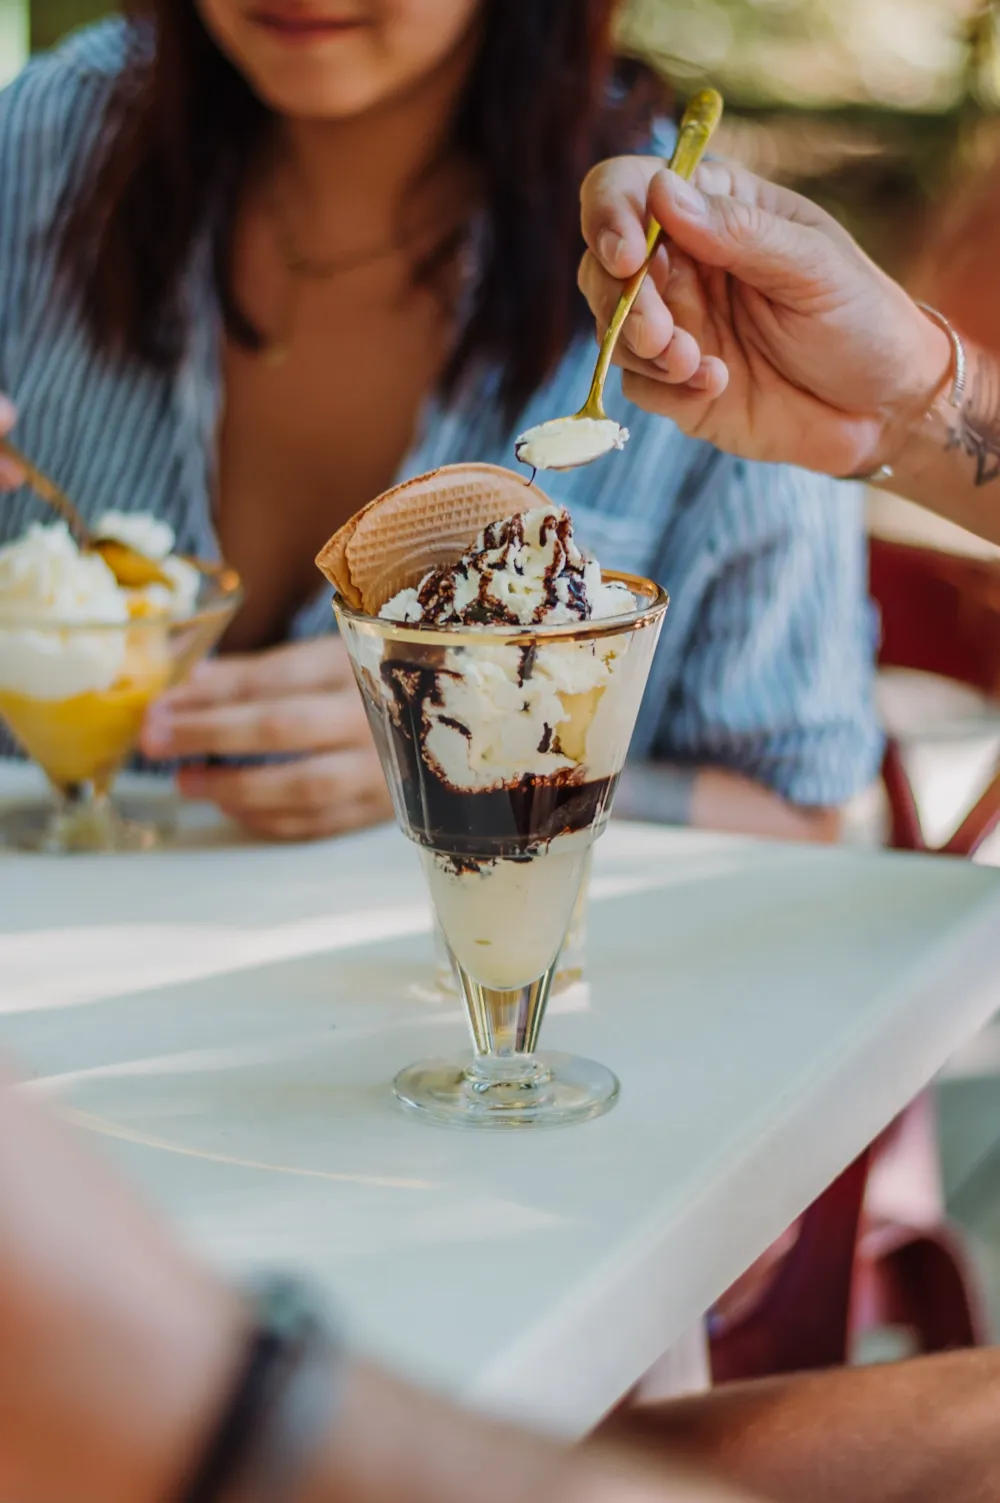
766,330
917,1432
119,1352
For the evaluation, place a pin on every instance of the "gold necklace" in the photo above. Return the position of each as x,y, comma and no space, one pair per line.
300,268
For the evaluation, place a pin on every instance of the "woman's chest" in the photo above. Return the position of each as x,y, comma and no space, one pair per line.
309,432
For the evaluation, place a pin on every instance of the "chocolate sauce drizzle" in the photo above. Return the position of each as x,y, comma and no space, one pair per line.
436,595
473,826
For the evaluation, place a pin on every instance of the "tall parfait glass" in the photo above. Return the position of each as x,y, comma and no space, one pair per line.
504,856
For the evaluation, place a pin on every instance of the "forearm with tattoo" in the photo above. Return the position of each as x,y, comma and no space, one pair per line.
975,428
949,460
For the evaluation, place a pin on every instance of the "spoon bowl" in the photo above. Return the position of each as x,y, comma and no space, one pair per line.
565,443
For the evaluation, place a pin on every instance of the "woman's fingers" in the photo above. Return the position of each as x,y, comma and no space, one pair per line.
310,797
298,668
11,473
296,723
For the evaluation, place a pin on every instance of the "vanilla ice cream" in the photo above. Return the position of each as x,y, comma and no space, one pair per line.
567,442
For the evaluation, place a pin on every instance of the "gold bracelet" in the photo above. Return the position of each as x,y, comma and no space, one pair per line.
959,372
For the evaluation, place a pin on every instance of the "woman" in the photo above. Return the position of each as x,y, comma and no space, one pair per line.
259,258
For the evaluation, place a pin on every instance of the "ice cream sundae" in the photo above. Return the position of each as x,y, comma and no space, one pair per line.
507,750
81,654
502,681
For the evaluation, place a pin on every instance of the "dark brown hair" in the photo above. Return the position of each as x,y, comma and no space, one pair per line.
541,107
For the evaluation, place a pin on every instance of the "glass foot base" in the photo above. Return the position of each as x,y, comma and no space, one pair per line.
561,1090
131,824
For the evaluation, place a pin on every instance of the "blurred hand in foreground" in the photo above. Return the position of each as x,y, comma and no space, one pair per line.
120,1352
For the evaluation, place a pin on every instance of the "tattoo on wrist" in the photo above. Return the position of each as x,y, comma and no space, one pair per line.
975,428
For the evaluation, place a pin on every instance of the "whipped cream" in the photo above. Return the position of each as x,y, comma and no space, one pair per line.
564,443
499,713
148,535
487,721
524,571
44,579
47,583
181,598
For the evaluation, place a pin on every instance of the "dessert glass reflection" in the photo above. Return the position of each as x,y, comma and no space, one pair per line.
81,660
502,735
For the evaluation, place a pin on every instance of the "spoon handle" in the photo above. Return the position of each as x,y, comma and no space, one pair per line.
47,490
698,123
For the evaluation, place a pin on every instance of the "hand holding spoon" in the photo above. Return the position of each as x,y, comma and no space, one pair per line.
133,570
566,442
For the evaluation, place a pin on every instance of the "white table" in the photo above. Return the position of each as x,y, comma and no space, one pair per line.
228,1020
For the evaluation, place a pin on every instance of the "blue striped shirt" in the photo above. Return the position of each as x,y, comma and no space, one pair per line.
766,662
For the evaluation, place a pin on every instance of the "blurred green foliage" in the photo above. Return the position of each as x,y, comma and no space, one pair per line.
51,19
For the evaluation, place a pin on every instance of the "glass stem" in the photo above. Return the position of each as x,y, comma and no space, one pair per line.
84,818
505,1026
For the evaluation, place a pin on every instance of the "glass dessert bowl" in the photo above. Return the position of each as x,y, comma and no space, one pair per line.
74,690
502,744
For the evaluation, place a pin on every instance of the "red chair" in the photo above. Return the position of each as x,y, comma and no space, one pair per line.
940,614
875,1248
801,1318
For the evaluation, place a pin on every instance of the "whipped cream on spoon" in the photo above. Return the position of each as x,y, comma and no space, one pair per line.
565,443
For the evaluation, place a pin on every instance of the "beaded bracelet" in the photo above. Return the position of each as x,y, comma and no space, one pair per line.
280,1404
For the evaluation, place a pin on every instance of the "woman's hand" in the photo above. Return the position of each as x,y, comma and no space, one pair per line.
300,701
11,474
763,327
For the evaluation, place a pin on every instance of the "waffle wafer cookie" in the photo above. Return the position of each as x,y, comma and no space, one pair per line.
428,521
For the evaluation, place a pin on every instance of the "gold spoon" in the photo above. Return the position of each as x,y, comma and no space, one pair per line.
566,442
132,569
